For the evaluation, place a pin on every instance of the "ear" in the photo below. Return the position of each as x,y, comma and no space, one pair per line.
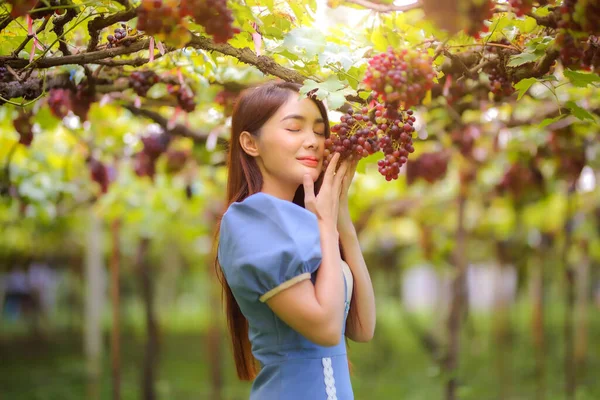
249,144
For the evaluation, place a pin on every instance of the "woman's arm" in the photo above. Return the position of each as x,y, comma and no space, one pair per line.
360,325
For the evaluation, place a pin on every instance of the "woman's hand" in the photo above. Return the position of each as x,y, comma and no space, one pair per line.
326,205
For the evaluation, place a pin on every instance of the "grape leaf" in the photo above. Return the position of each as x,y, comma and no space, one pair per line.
524,58
524,85
305,40
549,121
581,79
578,111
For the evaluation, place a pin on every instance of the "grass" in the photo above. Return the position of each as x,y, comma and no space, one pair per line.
393,366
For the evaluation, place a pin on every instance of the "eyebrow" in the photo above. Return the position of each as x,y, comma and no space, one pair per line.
302,118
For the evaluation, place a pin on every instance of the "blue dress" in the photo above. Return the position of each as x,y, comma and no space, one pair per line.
267,244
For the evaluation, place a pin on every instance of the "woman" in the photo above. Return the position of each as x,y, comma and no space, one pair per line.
289,296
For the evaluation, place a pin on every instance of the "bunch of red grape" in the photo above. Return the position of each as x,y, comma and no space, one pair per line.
145,160
400,76
176,160
119,34
142,81
365,132
213,15
60,102
3,72
578,52
580,15
24,128
185,97
464,139
82,101
99,173
431,167
500,84
521,7
476,12
227,99
569,153
591,53
522,180
160,17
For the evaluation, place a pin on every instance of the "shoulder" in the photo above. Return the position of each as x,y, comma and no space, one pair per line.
261,210
261,221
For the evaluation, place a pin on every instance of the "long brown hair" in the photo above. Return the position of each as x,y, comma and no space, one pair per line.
252,110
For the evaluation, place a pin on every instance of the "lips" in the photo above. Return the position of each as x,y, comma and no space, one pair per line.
309,161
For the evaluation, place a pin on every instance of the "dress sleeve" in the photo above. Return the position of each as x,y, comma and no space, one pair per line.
267,245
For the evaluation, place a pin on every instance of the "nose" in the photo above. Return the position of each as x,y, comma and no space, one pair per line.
311,140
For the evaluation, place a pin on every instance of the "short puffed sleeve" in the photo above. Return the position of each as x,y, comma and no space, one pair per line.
266,245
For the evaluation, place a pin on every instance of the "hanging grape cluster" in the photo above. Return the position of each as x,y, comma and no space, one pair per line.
184,95
99,173
214,15
521,7
475,13
154,145
365,132
577,51
24,128
166,19
400,76
142,81
430,167
581,15
522,180
119,37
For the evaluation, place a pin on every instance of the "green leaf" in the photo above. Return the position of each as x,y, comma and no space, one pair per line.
578,111
306,41
524,85
581,79
549,121
524,58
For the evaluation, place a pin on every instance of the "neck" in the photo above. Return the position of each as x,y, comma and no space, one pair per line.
276,189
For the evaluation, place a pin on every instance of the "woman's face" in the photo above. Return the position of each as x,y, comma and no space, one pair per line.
291,143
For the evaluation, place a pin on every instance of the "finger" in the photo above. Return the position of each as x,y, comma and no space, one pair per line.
328,178
309,191
339,176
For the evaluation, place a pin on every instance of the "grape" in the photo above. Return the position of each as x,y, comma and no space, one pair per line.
176,160
82,101
24,128
430,167
185,97
367,131
3,72
144,165
142,81
522,179
118,36
580,15
500,84
214,15
477,12
571,50
99,173
155,144
464,139
158,16
591,53
60,102
521,7
227,99
400,76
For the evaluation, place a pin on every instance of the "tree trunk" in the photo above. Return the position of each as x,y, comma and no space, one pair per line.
94,296
582,284
570,373
116,305
94,302
457,301
151,348
537,322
